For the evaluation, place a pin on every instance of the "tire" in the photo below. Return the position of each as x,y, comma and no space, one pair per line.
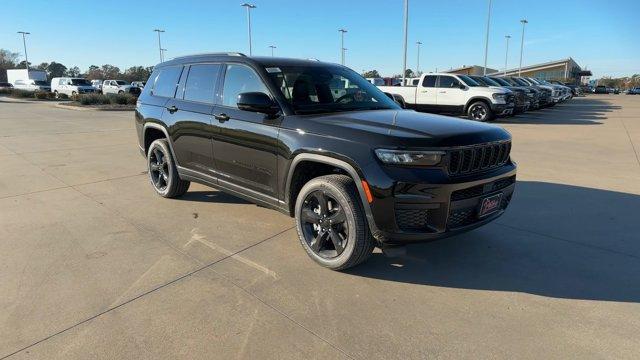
344,244
56,94
480,111
120,92
74,94
163,174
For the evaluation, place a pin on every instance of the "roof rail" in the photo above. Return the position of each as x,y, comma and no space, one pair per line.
212,54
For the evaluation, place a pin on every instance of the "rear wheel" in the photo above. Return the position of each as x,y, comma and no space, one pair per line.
480,111
162,171
331,223
56,94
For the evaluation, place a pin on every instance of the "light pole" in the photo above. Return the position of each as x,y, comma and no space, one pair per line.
418,61
406,30
24,43
162,51
159,43
342,49
272,47
506,54
344,54
524,22
486,41
249,7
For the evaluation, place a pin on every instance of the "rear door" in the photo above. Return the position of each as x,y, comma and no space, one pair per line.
451,98
245,147
188,115
426,94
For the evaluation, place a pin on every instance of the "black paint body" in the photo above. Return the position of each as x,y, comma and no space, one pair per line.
254,155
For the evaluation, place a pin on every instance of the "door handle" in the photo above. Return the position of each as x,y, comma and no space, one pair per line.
172,109
443,92
424,91
221,117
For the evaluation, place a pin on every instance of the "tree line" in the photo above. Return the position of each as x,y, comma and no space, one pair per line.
9,60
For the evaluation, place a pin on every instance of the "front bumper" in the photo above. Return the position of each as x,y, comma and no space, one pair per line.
502,109
426,209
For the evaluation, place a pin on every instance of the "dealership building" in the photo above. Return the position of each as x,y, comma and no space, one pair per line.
553,70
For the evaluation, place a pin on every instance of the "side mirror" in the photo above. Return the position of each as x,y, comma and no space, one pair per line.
462,87
257,102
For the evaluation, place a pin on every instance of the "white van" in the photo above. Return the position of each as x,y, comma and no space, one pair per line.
71,86
30,80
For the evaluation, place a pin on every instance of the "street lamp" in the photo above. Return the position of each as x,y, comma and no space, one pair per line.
344,54
162,51
24,43
406,29
418,61
249,7
272,47
524,22
506,54
342,49
159,44
486,41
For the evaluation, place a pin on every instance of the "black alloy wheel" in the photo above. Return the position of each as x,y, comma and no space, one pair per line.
159,169
324,224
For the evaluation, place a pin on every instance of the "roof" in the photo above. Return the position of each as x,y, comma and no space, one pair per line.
265,61
538,66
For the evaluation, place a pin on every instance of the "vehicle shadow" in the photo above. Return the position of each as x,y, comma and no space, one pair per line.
582,111
555,240
212,196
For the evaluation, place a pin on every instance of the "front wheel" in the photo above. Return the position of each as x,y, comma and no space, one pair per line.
480,111
331,223
162,171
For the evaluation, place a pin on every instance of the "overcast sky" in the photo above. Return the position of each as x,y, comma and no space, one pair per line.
601,35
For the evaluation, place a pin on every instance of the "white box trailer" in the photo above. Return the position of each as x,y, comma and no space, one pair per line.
32,80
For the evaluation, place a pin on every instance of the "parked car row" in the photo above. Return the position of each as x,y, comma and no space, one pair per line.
480,98
36,80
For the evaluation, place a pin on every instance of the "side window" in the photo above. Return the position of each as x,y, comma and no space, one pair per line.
201,83
429,81
167,81
448,82
239,79
62,82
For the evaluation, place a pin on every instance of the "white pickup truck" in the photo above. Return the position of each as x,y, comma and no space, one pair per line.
454,94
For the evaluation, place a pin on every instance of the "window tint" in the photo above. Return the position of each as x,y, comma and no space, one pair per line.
429,81
448,82
240,79
167,81
201,83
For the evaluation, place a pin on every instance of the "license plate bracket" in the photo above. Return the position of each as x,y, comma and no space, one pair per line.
489,205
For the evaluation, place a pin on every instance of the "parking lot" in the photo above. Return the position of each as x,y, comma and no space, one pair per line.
94,264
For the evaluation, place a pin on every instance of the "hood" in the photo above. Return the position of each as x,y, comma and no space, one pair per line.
399,128
490,90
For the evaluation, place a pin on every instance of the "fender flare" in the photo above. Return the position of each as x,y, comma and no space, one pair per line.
355,175
166,134
477,98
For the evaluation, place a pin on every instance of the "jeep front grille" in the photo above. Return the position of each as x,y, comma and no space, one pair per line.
478,158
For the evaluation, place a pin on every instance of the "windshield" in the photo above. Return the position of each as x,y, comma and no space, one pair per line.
318,89
468,81
501,81
520,82
120,82
534,81
80,82
490,82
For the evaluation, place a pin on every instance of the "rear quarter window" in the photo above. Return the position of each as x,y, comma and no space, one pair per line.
167,81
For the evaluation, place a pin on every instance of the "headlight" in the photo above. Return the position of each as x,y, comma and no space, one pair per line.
499,96
412,158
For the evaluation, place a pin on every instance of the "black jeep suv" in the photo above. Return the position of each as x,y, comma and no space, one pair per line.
318,142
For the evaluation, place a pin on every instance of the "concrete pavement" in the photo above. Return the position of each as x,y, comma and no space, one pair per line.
94,265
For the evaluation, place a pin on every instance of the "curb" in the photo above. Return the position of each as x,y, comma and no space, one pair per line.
80,108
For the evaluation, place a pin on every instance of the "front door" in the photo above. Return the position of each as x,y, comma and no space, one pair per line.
245,147
451,98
